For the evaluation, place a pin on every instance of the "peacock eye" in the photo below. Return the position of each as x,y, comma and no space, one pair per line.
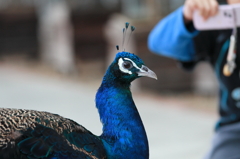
127,65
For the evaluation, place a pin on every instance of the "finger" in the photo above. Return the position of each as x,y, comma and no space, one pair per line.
200,6
189,7
214,7
206,10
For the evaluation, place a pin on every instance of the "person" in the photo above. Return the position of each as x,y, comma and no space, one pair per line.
175,37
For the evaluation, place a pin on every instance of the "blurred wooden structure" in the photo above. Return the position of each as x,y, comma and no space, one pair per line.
89,40
18,32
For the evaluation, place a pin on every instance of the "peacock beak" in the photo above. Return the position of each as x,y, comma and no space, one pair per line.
145,71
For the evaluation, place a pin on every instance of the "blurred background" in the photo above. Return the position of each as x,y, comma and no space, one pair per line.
53,54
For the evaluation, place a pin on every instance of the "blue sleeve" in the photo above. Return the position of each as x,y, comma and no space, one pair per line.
171,38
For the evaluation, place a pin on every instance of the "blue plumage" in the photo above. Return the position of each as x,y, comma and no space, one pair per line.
123,132
28,134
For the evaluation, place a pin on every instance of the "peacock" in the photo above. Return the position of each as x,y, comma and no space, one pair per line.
30,134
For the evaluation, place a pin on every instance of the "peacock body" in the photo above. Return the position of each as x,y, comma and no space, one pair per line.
29,134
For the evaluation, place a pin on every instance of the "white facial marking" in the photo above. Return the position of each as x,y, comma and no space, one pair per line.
134,65
120,64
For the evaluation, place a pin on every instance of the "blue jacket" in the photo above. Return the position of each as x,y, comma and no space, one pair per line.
170,32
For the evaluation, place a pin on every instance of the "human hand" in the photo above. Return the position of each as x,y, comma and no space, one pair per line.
206,8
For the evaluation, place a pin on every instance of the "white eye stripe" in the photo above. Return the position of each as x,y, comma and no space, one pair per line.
120,64
134,64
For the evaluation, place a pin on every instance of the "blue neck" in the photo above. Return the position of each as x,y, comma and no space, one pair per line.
123,132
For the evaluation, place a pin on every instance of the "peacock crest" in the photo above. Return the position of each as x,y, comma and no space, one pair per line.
125,31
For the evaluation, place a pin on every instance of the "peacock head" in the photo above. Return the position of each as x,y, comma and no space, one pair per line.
127,67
